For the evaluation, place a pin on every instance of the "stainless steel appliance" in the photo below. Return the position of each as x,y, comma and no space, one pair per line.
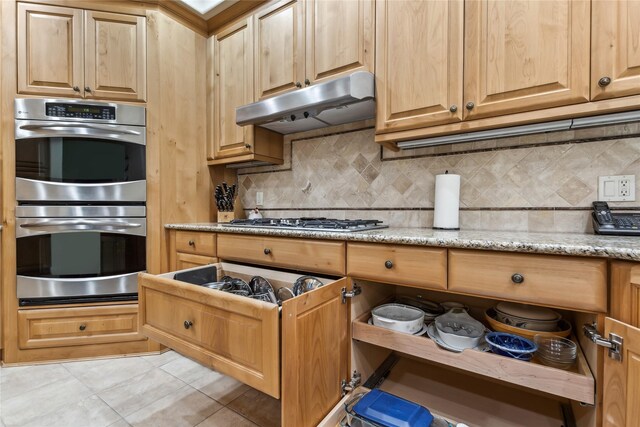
72,150
81,194
309,224
342,100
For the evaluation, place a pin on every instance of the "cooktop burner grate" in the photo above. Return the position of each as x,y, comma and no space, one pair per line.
310,224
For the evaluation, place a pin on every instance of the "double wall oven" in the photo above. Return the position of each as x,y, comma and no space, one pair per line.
81,200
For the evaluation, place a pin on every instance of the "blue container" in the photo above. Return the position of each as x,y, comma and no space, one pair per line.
391,411
511,345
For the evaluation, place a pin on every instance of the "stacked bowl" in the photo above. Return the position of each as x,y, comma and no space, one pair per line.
555,351
527,321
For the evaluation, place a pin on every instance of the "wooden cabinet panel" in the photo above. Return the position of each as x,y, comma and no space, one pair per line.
546,279
406,265
624,292
615,48
194,242
233,87
279,44
115,56
315,356
340,38
621,390
307,255
184,261
58,327
50,56
524,55
234,335
418,63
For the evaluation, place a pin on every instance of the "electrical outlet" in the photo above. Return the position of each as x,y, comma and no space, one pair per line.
259,198
618,188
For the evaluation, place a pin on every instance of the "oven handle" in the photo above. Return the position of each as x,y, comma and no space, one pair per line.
103,130
80,222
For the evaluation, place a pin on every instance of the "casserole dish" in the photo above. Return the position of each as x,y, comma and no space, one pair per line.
398,317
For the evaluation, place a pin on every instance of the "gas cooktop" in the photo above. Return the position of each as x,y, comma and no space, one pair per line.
309,224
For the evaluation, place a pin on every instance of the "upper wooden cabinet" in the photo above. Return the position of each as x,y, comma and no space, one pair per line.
233,87
81,54
418,63
115,56
615,59
300,43
279,47
524,55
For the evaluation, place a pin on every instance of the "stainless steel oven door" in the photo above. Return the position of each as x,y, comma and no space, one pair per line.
65,258
80,162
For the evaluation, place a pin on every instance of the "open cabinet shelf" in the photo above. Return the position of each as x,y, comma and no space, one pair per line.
577,384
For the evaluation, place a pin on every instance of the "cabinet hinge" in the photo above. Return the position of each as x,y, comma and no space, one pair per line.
614,343
352,384
357,290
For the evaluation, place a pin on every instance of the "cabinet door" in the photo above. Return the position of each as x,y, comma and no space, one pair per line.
49,50
115,56
418,63
315,340
279,42
615,55
621,392
523,55
233,87
340,36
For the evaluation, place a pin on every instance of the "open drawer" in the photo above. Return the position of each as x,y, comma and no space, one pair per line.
245,338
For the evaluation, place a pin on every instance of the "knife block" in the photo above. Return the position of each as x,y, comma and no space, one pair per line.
226,216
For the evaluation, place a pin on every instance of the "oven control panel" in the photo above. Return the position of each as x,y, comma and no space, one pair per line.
80,111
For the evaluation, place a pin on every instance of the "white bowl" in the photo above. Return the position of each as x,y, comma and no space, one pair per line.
458,329
398,317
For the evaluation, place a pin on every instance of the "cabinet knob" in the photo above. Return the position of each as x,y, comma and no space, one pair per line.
470,105
388,263
76,89
87,89
247,145
192,243
83,327
307,82
298,84
604,81
453,108
517,278
267,251
188,324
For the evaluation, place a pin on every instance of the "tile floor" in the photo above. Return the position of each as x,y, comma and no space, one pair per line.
165,390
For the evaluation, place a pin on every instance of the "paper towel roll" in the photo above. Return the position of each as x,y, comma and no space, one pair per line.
447,202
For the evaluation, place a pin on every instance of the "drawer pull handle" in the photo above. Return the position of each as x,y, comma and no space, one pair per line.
267,251
83,326
188,324
388,264
192,243
517,278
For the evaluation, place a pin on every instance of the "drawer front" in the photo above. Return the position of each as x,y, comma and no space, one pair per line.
237,336
184,261
316,256
193,242
566,282
406,265
77,326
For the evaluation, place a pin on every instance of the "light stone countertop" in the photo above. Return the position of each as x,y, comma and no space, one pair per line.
625,248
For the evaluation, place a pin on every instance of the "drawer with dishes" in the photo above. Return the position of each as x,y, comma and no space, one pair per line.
263,327
529,348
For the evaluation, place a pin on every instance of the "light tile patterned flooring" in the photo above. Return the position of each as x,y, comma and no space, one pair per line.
165,390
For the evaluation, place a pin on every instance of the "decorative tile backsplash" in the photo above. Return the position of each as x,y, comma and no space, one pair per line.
537,183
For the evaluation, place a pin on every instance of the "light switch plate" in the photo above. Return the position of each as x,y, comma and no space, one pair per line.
259,198
617,188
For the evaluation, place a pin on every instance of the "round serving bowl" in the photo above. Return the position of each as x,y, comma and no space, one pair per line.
527,316
458,329
511,345
563,328
398,317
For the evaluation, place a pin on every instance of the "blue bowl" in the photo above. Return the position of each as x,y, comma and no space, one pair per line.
511,345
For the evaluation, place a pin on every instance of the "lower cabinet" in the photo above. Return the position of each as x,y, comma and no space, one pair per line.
297,353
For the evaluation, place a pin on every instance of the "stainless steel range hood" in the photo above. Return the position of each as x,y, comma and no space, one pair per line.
343,100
